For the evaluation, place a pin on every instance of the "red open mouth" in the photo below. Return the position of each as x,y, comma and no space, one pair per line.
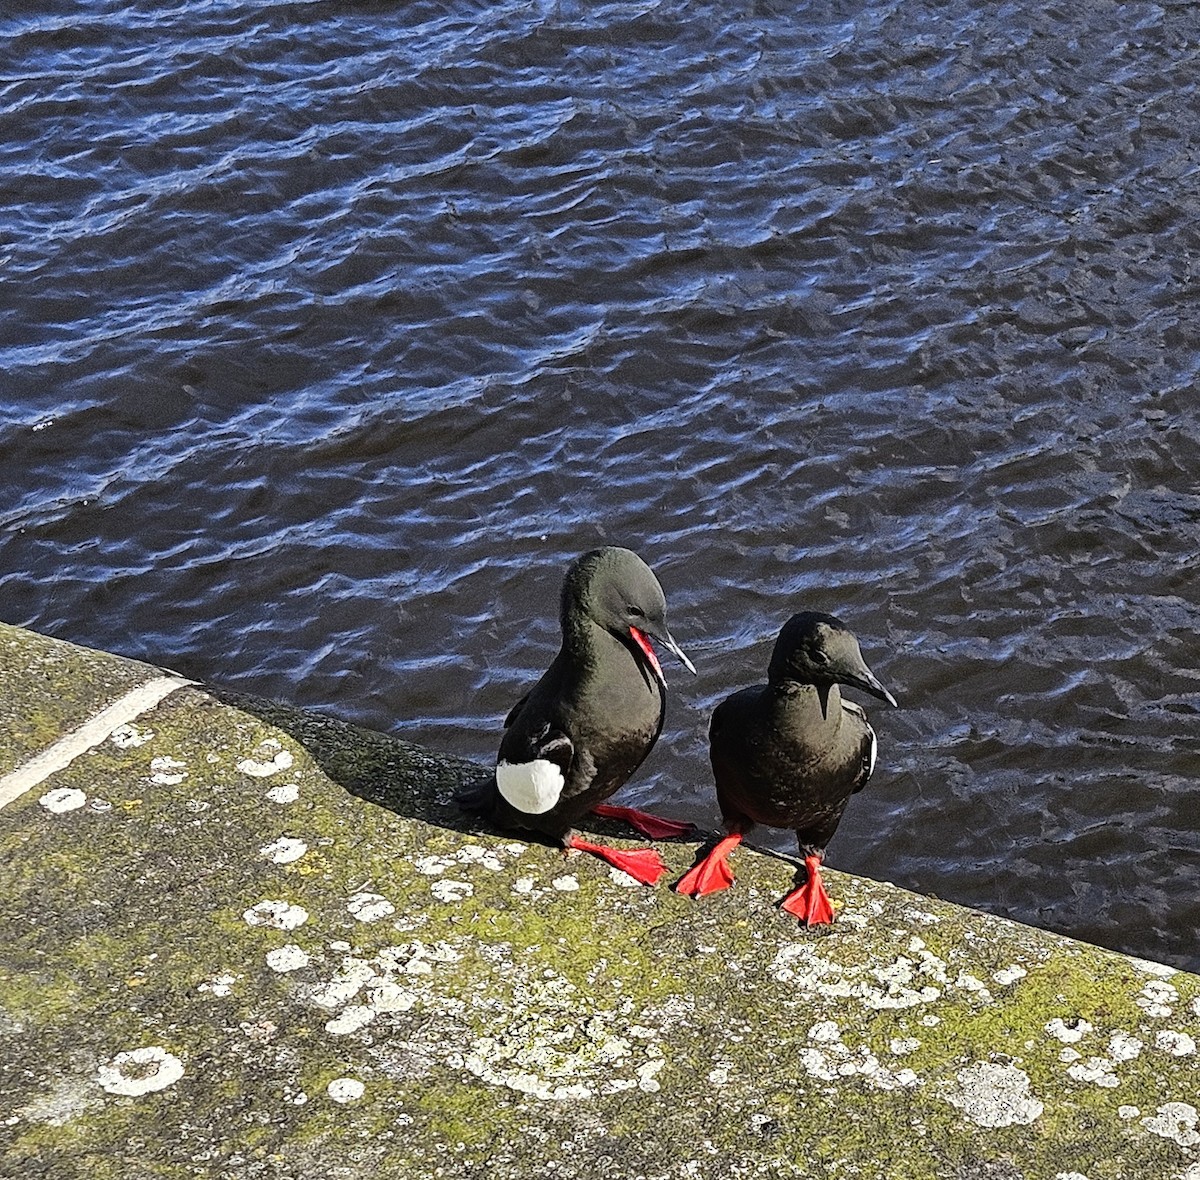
643,641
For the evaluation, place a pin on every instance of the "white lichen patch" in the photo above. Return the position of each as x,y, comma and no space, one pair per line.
995,1095
1128,1112
167,772
830,1059
277,914
128,737
966,982
284,851
1068,1031
69,1098
826,1031
848,919
220,985
645,1077
345,1090
554,1045
476,854
384,995
379,978
1149,967
524,885
1123,1046
719,1074
924,917
451,891
350,1020
135,1072
1157,998
405,956
272,759
904,983
288,957
347,982
1069,1176
63,799
1176,1121
284,793
432,866
1096,1070
369,907
566,884
1178,1044
816,1064
902,1046
1007,975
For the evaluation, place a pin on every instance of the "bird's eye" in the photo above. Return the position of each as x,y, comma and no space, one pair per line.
819,657
636,611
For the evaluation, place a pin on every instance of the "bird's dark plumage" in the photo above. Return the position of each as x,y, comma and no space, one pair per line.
578,735
791,752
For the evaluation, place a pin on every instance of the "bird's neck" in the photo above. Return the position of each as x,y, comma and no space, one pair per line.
581,636
586,642
792,697
595,649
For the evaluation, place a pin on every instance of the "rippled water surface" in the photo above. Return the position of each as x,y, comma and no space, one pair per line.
329,333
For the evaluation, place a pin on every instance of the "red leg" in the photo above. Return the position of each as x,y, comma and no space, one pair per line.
642,864
653,826
810,903
712,874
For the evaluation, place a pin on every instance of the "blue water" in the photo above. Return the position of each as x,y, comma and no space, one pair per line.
329,334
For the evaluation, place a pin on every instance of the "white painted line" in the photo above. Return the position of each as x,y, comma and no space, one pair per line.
91,733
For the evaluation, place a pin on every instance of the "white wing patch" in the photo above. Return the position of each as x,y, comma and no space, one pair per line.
532,787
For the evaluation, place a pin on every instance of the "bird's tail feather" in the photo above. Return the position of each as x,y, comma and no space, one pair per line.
478,796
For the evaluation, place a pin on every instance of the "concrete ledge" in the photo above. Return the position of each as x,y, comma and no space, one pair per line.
241,940
50,688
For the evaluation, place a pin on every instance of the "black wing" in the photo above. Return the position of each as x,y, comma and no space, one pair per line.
548,742
512,713
869,745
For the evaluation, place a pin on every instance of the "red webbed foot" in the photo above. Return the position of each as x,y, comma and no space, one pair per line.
810,903
713,873
654,826
642,864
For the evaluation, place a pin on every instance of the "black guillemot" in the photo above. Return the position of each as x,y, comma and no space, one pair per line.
576,737
790,753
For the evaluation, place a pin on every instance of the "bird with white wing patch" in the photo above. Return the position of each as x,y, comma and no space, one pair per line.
578,735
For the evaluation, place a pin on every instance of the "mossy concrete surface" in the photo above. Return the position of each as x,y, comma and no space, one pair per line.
50,687
238,940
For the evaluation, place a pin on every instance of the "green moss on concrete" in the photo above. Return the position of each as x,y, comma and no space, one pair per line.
508,1012
51,687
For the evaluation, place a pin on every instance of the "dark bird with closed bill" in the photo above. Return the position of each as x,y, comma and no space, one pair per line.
790,753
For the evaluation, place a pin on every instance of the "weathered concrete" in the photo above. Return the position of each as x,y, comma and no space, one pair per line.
50,688
239,940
